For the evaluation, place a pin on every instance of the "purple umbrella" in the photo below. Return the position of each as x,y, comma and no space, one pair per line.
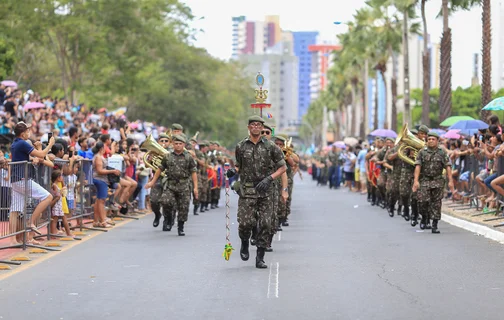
9,83
386,133
339,144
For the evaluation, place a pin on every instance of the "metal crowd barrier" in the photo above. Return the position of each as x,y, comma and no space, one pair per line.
118,164
23,185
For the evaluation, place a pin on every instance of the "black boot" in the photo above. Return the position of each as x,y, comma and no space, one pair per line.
423,223
406,213
253,238
399,210
195,210
206,206
373,199
268,247
428,225
212,204
244,250
435,227
391,210
216,204
285,223
181,228
157,217
166,224
279,225
260,259
202,207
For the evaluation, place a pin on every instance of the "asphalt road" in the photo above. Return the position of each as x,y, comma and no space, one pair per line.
335,261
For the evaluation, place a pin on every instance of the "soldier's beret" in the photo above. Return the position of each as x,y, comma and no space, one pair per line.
433,134
423,128
255,118
177,126
390,139
179,137
378,139
165,136
283,135
414,131
202,144
268,126
280,138
205,143
217,143
183,135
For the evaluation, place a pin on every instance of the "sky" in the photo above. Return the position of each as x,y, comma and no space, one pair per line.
319,15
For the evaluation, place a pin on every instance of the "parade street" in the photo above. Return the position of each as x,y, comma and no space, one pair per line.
339,259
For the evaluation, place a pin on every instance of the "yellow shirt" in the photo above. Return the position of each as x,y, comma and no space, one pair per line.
63,199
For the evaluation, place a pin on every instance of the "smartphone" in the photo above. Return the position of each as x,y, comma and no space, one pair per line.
70,154
49,136
480,138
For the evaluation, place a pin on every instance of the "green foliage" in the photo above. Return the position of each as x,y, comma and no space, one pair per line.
124,53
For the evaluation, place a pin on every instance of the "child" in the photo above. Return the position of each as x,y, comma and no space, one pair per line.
71,181
58,191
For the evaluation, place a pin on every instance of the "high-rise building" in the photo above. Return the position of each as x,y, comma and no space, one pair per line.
302,40
322,60
254,37
279,67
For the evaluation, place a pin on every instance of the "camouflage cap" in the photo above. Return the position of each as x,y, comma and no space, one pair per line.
177,126
423,128
163,135
377,139
414,131
183,135
203,144
179,137
217,143
280,138
268,126
255,118
390,139
433,134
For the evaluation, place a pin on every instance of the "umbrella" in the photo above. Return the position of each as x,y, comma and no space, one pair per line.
468,132
9,83
339,144
387,133
469,124
34,105
452,120
350,141
452,134
119,112
440,132
495,105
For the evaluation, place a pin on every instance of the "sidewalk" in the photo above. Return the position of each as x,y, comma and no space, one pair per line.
474,221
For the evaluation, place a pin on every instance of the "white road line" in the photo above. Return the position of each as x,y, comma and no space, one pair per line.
269,280
277,282
279,235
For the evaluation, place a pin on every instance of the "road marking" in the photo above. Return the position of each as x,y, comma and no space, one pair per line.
279,235
275,282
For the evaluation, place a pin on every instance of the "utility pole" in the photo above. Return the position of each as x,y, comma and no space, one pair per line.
324,127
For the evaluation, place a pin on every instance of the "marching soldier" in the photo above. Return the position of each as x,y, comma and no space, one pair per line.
201,174
291,162
179,167
254,156
429,181
157,192
393,181
382,179
373,170
283,188
203,186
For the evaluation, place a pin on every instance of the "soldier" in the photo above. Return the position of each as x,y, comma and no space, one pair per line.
429,181
292,163
394,180
373,170
254,156
333,158
382,179
201,174
177,129
203,185
179,167
283,188
157,192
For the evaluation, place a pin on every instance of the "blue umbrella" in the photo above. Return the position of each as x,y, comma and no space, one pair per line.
468,132
495,105
440,132
469,124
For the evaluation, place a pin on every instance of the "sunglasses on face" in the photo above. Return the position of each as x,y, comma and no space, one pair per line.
134,149
266,132
164,140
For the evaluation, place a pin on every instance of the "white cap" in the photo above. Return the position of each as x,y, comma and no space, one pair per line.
30,91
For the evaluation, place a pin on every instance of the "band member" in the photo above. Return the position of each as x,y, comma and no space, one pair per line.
254,156
157,191
178,166
429,181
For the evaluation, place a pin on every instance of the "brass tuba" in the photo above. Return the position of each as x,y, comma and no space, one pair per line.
287,149
195,138
407,140
155,153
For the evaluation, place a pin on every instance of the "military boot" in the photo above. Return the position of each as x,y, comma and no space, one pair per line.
399,210
423,223
216,204
167,225
391,210
181,228
268,247
157,217
244,250
435,226
285,223
279,224
202,207
195,210
260,259
428,225
253,238
212,204
406,213
373,199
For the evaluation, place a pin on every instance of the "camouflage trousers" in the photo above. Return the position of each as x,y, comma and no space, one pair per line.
289,199
430,201
392,188
282,206
275,207
202,192
255,213
382,183
209,191
155,199
176,202
216,194
405,186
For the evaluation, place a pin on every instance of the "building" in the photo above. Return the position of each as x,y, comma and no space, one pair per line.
497,51
322,60
254,37
302,40
279,67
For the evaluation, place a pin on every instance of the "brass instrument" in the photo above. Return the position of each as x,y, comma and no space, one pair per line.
287,149
169,134
155,153
195,137
407,140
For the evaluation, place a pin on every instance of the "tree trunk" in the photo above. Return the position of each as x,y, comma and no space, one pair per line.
353,123
393,89
486,77
385,121
426,71
445,75
406,99
366,97
375,115
362,129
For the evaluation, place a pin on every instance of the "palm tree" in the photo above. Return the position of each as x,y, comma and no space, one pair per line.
426,66
486,84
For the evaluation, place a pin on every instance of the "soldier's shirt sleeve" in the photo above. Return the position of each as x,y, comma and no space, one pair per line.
237,155
447,161
192,165
418,161
164,163
277,157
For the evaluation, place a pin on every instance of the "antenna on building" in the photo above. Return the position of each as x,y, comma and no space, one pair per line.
475,80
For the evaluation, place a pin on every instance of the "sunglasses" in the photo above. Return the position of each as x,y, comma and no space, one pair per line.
164,140
134,149
266,132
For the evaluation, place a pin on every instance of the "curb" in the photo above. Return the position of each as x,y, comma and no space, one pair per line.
474,227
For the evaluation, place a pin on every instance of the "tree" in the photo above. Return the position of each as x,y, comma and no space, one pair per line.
426,66
7,58
486,83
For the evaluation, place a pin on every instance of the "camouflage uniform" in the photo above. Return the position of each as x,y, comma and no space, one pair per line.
202,176
405,185
394,179
254,207
430,194
177,195
382,179
290,184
